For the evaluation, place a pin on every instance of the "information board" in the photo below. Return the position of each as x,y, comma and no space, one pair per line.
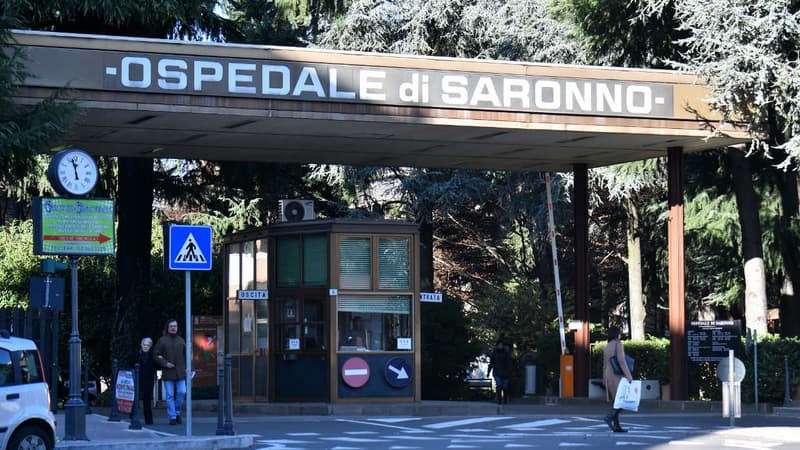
710,340
73,226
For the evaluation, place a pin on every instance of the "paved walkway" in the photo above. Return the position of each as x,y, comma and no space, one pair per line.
103,434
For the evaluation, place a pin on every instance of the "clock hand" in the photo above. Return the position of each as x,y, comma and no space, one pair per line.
74,162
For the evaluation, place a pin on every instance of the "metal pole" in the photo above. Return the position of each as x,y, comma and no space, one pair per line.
787,399
114,416
755,366
75,408
135,423
189,345
220,394
85,395
54,383
228,398
731,402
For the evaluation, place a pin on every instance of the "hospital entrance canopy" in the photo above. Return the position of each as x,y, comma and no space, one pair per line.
170,99
160,98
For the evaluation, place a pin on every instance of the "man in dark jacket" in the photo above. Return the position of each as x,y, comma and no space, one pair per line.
500,364
170,354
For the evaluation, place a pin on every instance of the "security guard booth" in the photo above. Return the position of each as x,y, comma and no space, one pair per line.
323,311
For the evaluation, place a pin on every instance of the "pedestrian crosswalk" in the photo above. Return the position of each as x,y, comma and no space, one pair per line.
486,432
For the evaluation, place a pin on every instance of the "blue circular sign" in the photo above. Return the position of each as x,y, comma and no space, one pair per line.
398,372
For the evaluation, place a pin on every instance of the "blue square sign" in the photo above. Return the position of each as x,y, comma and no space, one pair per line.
189,247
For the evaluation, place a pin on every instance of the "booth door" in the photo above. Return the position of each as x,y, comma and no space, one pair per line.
249,325
300,360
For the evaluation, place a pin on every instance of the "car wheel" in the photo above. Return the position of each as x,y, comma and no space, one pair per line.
31,437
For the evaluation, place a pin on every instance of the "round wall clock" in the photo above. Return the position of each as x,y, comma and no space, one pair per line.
72,172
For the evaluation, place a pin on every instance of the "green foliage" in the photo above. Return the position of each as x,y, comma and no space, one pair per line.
771,374
447,350
651,357
25,130
17,264
519,30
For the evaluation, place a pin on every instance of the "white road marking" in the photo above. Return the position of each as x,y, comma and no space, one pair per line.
350,439
302,434
687,443
458,423
360,432
631,443
572,444
402,447
755,445
395,419
520,446
535,424
384,425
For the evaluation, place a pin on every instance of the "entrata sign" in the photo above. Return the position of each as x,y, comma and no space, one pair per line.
288,80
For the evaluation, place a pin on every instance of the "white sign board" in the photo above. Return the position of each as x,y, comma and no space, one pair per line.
294,344
433,297
403,343
125,391
252,294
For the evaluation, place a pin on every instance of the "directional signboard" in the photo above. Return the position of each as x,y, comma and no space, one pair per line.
710,340
189,247
73,226
355,372
398,372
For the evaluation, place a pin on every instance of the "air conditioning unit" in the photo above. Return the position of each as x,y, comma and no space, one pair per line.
294,210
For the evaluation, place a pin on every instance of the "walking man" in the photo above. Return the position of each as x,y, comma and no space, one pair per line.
170,354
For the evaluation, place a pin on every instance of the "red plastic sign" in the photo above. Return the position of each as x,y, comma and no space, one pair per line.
355,372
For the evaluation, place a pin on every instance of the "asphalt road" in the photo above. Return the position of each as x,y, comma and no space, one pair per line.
646,431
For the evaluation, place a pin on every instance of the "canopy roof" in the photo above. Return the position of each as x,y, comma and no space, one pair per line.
171,99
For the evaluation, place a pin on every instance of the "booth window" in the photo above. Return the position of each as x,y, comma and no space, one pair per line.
354,263
302,261
374,323
393,263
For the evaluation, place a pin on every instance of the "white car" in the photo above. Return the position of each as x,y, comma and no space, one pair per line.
26,422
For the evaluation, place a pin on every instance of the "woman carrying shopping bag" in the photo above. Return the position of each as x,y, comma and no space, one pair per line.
611,379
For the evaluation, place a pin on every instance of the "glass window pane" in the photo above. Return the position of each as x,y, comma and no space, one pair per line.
287,253
6,369
315,260
393,263
234,326
234,275
248,265
261,264
354,263
374,323
29,367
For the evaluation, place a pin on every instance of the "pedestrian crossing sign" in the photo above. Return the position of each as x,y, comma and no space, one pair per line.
190,247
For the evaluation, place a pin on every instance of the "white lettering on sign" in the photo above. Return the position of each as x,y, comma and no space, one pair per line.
395,86
252,294
435,297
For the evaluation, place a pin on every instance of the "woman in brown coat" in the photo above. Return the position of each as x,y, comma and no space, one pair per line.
610,379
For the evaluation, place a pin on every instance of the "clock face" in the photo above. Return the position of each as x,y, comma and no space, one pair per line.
72,172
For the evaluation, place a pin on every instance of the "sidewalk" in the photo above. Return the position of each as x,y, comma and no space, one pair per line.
105,435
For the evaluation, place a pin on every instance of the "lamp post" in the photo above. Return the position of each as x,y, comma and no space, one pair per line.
75,408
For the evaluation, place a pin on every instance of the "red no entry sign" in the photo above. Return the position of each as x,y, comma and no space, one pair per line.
355,372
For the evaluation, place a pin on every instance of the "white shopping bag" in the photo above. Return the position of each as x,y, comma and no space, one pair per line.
628,395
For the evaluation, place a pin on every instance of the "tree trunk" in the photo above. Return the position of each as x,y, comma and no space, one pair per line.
755,297
634,260
789,245
134,234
